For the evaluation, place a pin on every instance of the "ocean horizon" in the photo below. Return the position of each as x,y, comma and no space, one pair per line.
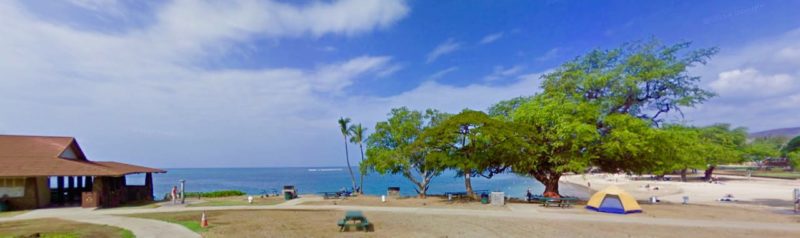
311,180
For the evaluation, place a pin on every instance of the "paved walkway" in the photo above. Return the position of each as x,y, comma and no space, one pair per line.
139,226
153,228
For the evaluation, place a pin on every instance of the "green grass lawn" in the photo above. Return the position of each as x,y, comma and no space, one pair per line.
783,175
190,220
12,213
237,201
59,228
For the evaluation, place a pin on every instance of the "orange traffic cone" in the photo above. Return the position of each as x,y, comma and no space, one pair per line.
203,221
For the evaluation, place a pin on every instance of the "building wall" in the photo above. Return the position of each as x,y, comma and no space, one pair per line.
43,185
20,197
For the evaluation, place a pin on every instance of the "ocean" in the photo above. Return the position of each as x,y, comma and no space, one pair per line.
256,181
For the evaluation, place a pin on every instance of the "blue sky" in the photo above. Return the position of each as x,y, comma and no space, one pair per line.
261,83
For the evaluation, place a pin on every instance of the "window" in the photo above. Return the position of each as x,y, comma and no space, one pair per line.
69,154
12,187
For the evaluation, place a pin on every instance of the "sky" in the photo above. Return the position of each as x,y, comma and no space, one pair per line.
261,83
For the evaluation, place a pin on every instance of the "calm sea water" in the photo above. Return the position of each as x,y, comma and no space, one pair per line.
312,180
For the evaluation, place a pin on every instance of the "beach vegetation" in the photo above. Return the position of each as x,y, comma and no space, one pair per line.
343,127
591,108
792,146
560,135
392,149
763,148
724,145
473,144
357,133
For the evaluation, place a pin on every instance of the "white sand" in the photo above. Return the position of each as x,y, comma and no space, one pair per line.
746,191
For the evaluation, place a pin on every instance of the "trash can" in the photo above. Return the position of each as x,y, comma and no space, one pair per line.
3,207
393,192
288,195
484,198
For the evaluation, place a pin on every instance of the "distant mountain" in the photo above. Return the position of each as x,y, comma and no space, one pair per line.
784,132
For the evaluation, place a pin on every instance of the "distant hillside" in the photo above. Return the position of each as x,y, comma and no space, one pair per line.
784,132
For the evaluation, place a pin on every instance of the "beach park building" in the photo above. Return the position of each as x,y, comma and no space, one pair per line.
45,171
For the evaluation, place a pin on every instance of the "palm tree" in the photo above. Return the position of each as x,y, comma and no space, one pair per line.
343,126
357,137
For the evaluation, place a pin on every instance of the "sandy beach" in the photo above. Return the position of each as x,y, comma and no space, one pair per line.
758,192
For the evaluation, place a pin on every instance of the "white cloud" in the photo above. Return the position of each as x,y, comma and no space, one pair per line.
751,83
491,38
501,72
126,93
757,85
444,48
441,73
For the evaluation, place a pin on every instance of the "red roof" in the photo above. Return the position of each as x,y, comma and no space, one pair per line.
22,156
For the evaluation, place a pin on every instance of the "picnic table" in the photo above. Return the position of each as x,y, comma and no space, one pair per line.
354,218
330,195
464,194
563,202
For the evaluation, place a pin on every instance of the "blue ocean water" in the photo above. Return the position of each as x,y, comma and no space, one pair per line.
312,180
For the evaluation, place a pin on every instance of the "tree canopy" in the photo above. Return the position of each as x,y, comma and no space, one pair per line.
645,80
391,148
473,144
560,133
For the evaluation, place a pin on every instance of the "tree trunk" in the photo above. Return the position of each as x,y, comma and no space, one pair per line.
550,181
683,175
350,168
422,189
709,172
468,184
361,187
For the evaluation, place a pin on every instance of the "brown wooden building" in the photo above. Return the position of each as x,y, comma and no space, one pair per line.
44,171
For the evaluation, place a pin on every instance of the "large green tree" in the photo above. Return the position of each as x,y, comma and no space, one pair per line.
680,148
723,145
646,80
763,148
474,145
343,125
392,148
792,146
643,80
560,135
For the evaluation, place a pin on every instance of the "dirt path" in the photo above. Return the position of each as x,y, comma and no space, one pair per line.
515,211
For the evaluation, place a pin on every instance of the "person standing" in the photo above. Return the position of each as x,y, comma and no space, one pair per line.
174,194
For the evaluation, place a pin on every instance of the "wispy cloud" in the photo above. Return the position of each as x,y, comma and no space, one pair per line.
501,72
550,54
444,48
441,73
491,38
147,80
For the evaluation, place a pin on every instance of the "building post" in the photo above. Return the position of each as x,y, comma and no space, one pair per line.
89,184
60,190
148,184
71,189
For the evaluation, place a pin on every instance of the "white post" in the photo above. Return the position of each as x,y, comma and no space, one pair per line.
183,191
